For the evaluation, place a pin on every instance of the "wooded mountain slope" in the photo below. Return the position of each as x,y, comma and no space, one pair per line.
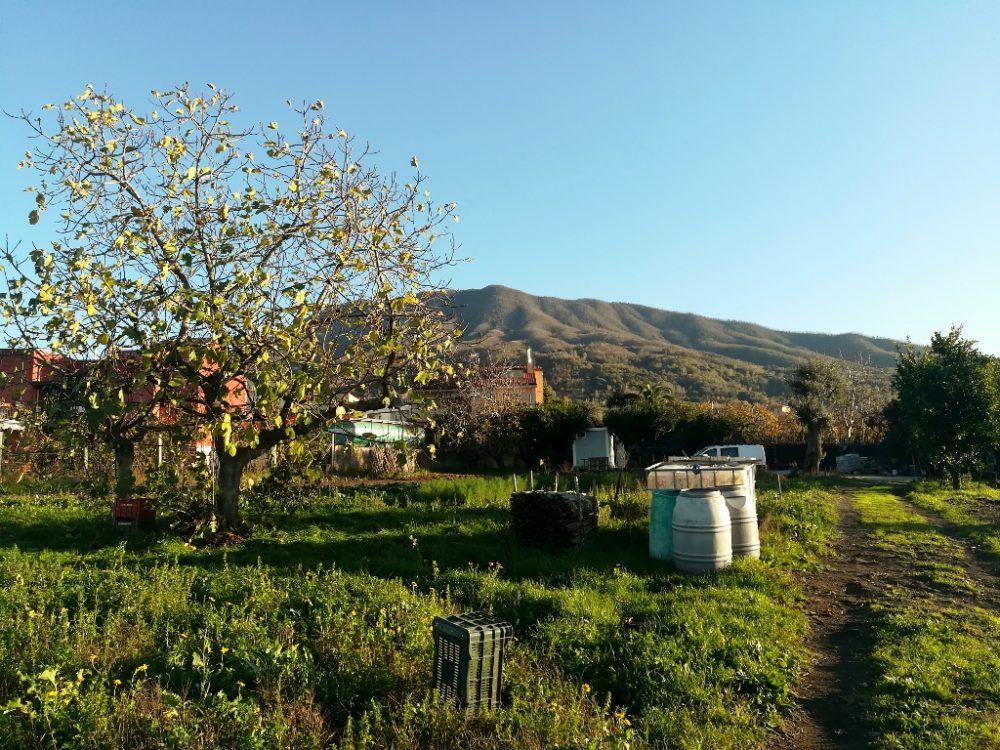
591,348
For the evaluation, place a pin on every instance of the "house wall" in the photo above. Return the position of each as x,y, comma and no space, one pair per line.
30,372
21,370
594,443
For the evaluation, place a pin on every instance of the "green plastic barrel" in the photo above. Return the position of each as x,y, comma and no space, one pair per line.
661,530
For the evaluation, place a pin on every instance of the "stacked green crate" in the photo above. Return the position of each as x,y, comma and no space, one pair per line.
468,658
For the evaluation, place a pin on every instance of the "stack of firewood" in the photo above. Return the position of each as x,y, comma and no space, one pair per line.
553,519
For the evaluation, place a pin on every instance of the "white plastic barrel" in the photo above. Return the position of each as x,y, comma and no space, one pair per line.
703,540
743,517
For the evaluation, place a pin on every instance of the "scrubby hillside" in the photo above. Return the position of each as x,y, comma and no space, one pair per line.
590,348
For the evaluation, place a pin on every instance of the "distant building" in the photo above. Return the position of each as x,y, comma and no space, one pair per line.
34,378
29,375
526,385
380,426
493,385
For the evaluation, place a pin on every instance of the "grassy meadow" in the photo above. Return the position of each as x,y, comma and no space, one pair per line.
936,645
316,631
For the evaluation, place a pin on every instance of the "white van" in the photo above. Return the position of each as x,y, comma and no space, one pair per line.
755,452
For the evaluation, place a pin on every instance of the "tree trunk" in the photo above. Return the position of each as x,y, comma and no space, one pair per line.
956,477
814,447
124,468
227,502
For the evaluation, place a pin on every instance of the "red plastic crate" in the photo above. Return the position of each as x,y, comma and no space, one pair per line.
134,511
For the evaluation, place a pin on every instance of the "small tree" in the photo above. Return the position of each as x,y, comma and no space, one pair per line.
642,419
108,400
757,423
270,281
550,429
77,401
866,392
478,417
948,403
816,386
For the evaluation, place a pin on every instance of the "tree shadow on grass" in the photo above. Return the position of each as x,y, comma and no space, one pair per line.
407,542
80,535
413,546
400,541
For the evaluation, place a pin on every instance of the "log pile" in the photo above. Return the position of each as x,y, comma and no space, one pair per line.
553,519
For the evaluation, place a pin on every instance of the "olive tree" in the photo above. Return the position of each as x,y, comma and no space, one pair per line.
267,279
948,403
817,386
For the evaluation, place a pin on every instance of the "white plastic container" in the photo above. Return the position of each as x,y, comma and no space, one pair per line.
742,507
703,541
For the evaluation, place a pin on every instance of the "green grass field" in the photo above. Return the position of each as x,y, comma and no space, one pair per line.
935,654
316,632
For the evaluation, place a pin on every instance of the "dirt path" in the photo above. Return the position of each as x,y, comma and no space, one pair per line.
833,695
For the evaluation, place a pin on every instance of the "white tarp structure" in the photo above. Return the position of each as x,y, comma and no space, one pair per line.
597,448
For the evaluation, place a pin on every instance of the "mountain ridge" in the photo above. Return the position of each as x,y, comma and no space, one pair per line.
612,344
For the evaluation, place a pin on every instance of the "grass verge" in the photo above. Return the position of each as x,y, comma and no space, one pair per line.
936,662
974,513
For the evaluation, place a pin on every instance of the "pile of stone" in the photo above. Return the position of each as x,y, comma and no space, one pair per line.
553,519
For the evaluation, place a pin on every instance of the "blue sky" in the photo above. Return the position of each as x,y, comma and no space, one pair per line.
810,166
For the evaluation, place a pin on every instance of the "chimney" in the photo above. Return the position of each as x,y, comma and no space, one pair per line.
529,357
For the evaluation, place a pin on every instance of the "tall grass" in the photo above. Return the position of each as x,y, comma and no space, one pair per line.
317,631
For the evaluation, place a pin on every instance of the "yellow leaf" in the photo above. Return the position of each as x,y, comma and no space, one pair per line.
191,173
91,310
273,125
414,162
293,186
120,241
